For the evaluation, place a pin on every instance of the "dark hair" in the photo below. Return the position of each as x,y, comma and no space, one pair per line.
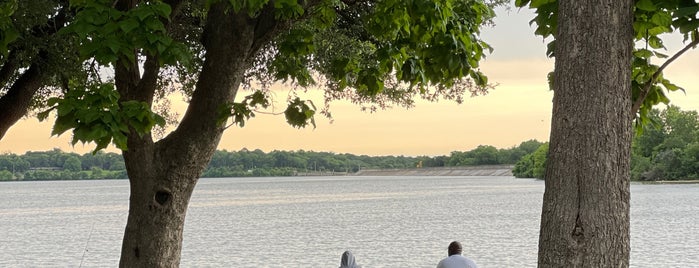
455,248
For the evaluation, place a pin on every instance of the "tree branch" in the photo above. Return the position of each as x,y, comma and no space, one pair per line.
646,88
9,68
15,103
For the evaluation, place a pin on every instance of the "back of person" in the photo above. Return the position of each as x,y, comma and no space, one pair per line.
455,259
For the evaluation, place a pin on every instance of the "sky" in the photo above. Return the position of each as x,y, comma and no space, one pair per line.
516,110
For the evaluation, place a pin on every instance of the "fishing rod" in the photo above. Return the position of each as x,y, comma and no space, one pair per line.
86,243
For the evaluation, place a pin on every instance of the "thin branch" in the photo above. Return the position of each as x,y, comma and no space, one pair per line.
268,113
646,88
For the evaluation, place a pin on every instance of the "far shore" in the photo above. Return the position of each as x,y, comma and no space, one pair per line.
486,170
671,182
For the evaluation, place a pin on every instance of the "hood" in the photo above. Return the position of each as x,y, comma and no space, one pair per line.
348,260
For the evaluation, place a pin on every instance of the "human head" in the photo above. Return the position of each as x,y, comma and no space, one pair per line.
455,248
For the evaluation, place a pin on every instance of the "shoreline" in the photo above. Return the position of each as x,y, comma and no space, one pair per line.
485,170
670,182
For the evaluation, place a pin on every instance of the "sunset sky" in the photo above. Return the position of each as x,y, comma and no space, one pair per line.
518,109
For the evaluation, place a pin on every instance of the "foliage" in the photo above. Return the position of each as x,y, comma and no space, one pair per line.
29,41
72,163
108,34
241,111
94,113
8,33
489,155
387,56
532,165
58,165
6,175
375,53
652,18
283,163
665,150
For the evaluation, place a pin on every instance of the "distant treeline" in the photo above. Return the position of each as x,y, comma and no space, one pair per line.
59,165
666,148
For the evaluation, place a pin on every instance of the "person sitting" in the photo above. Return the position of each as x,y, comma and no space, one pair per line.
348,261
455,259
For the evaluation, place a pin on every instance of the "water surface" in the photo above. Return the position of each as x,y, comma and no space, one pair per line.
310,221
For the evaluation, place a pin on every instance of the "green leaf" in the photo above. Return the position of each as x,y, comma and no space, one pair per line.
161,9
299,114
113,44
128,25
643,53
646,5
521,3
655,42
662,19
670,86
686,11
43,115
660,55
539,3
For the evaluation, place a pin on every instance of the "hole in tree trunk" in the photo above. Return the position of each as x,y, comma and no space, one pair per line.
136,252
162,197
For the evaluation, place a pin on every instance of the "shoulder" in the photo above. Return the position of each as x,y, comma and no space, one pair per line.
470,263
442,263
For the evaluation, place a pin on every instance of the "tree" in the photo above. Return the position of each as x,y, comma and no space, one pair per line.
664,150
585,215
376,52
681,127
6,175
532,165
585,218
485,155
650,136
72,163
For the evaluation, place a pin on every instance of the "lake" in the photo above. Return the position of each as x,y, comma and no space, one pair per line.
310,221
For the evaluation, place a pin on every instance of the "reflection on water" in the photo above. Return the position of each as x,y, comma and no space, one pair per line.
310,221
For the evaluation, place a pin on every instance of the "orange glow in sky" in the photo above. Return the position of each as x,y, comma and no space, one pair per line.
518,109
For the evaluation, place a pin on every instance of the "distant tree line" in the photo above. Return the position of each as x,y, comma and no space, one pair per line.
666,148
288,163
59,165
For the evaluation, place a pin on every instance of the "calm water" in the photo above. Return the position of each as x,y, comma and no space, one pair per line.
310,221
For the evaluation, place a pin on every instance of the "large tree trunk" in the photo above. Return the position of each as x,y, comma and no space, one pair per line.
163,174
585,215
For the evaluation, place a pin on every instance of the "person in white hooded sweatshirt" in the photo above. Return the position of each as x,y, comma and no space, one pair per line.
455,260
348,261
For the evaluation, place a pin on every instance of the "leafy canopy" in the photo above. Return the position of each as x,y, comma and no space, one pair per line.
377,53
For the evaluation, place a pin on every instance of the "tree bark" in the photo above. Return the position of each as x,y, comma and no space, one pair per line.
163,174
585,215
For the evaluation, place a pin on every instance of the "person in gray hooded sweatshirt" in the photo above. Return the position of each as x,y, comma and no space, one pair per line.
348,261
